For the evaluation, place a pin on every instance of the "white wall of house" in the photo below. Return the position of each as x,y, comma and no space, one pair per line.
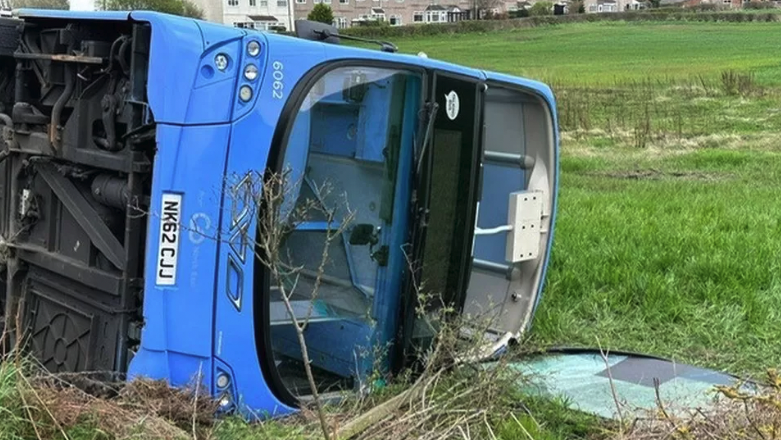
82,5
241,12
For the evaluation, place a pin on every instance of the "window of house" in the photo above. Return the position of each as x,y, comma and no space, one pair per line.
328,2
433,17
263,2
233,2
301,2
395,20
253,2
592,8
417,17
257,25
344,2
727,2
281,3
341,22
599,8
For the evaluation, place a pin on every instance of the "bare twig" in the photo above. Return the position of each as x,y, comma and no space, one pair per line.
271,197
195,401
612,388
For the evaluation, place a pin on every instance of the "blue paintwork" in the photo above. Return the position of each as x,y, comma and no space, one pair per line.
207,139
172,346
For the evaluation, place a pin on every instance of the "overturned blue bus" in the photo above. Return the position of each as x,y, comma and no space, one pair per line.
124,240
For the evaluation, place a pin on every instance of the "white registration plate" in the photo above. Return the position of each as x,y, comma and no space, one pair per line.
170,230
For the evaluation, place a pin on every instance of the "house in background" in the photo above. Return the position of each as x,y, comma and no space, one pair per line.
601,6
597,6
729,4
398,12
262,15
395,12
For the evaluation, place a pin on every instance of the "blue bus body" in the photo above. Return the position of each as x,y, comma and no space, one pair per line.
205,317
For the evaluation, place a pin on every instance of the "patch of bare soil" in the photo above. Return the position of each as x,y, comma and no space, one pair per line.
151,409
651,174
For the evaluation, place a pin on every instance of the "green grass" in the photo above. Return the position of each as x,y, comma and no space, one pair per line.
609,52
669,249
684,266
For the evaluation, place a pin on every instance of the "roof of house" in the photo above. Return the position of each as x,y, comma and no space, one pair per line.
262,18
378,11
449,8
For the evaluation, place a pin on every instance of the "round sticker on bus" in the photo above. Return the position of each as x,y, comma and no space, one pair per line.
452,105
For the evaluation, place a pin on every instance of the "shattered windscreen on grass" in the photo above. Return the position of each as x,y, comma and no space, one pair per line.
584,380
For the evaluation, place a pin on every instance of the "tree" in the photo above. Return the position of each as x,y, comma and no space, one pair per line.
541,8
40,4
185,8
322,13
486,7
577,8
190,9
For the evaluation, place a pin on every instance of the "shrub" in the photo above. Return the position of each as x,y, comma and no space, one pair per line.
520,13
322,13
374,23
759,5
541,8
497,16
703,7
40,4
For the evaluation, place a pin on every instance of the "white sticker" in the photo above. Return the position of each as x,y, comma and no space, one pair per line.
168,253
452,105
200,223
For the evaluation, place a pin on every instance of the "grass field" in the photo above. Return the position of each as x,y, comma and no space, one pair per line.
669,216
604,53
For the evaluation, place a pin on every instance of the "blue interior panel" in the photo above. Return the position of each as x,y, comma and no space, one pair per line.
334,128
499,180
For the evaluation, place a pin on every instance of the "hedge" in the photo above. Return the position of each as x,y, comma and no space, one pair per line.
481,26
